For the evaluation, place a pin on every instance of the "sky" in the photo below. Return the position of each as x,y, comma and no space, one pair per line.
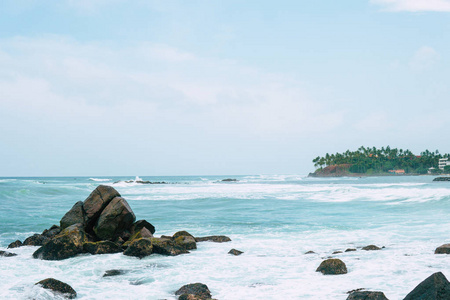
144,87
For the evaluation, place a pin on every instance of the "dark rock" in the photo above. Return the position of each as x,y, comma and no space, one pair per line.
444,249
229,180
182,233
310,252
15,244
350,250
371,247
332,266
109,273
167,247
194,291
7,254
367,295
142,233
75,215
235,252
435,287
59,287
102,247
35,240
185,240
213,238
337,252
116,218
96,202
67,244
138,225
442,179
139,248
52,231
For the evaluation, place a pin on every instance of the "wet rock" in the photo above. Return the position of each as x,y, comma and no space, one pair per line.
142,233
167,247
332,266
51,232
337,252
35,240
139,248
444,249
138,225
75,215
114,272
435,287
350,250
15,244
184,240
235,252
366,295
213,238
67,244
96,202
194,291
310,252
102,247
7,254
229,180
371,247
114,220
58,287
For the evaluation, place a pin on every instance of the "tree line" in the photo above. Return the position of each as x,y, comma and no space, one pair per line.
373,160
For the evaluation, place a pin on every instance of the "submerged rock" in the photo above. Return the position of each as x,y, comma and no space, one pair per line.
310,252
102,247
213,238
332,266
229,180
65,245
15,244
109,273
366,295
59,287
194,291
235,252
35,240
139,248
350,250
75,215
444,249
7,254
371,247
435,287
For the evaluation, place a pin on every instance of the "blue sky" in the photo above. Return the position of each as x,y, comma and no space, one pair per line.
217,87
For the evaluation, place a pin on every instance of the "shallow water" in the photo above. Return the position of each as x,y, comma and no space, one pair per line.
273,219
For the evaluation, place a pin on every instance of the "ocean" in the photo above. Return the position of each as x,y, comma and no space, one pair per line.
273,219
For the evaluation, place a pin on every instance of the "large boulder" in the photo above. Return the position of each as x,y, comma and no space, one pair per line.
74,216
96,202
59,287
332,266
139,248
166,246
435,287
65,245
444,249
35,240
371,248
213,238
102,247
195,291
114,220
184,240
366,295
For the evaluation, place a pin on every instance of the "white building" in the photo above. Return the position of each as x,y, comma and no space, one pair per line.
443,162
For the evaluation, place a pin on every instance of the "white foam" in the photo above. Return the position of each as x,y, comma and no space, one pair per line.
100,179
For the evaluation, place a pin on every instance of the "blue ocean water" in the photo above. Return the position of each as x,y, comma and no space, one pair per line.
274,219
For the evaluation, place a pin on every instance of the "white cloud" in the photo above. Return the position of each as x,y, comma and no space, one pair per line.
424,58
414,5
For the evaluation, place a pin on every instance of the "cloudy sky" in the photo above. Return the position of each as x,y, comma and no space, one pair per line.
114,87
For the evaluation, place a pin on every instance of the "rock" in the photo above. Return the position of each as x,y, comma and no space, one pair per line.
138,225
442,179
52,231
96,202
167,247
213,238
67,244
35,240
114,272
444,249
371,247
366,295
235,252
114,220
142,233
194,291
332,266
102,247
229,180
337,252
59,287
185,240
310,252
350,250
7,254
74,216
15,244
435,287
139,248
